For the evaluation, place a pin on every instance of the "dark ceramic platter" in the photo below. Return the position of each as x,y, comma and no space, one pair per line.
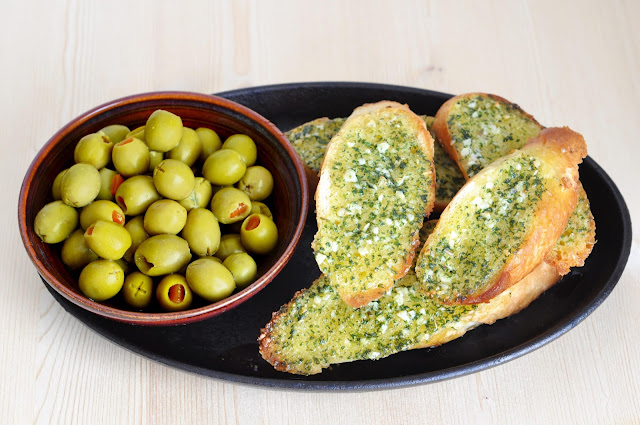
225,347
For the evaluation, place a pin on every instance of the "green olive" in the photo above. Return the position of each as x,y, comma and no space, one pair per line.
137,132
162,254
55,189
243,268
93,149
131,157
107,239
244,145
101,210
173,293
199,196
216,189
55,222
224,167
80,185
257,182
259,234
202,232
116,132
210,142
165,216
189,148
75,252
106,179
230,205
155,158
174,179
260,208
101,280
163,131
229,244
138,290
210,279
138,234
135,194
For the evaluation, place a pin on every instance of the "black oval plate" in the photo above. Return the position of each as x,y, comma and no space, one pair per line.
225,347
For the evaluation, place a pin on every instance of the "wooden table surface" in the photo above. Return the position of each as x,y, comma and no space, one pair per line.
568,63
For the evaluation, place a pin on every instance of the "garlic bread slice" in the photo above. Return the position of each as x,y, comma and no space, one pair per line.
504,221
377,183
310,139
477,128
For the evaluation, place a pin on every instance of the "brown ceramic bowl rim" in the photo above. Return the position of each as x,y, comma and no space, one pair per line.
169,318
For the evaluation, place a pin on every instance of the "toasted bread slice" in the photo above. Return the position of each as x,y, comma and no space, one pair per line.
310,141
477,128
504,221
377,183
316,329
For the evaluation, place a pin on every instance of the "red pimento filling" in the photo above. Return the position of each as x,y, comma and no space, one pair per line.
254,221
117,217
116,181
176,293
241,209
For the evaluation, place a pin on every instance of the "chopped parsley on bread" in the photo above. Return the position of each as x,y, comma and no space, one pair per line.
310,141
504,221
477,128
531,221
377,183
317,329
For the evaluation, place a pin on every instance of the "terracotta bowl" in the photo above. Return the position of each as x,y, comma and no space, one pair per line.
288,201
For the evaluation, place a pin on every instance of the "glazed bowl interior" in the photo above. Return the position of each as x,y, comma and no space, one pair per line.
288,202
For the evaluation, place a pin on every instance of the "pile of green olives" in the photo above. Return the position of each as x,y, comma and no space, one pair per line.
161,212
